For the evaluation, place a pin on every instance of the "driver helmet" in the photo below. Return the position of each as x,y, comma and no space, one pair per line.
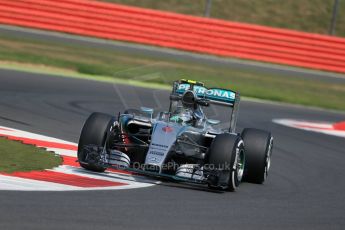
182,115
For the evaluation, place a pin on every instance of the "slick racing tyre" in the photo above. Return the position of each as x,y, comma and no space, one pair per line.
258,146
226,155
94,133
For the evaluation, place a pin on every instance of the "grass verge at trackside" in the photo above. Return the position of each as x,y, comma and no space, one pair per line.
18,157
118,65
312,16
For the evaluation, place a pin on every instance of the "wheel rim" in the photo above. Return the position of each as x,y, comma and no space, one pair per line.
240,164
268,158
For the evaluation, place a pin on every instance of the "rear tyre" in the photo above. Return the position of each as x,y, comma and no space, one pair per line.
258,146
226,156
94,132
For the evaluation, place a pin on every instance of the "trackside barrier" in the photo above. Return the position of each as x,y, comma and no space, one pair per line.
202,35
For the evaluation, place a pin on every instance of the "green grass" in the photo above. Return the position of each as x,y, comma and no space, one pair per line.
18,157
102,62
307,15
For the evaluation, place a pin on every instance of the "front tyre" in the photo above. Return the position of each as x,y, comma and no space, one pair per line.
94,132
226,156
258,145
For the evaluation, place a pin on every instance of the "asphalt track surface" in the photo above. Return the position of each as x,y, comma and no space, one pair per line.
305,189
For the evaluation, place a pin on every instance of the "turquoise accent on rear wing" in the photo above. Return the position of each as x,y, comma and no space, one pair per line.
217,95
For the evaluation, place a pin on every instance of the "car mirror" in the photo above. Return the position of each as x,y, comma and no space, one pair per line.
213,122
146,110
203,102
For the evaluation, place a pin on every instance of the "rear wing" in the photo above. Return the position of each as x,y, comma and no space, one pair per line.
213,95
219,96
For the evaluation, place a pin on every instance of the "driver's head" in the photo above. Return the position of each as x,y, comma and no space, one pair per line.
182,115
185,113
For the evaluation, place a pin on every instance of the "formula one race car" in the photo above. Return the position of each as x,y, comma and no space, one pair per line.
181,144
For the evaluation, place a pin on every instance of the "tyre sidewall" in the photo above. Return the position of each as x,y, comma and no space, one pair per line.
223,151
94,132
256,144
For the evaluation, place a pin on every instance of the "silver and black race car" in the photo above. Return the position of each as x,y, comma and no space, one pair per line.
182,144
